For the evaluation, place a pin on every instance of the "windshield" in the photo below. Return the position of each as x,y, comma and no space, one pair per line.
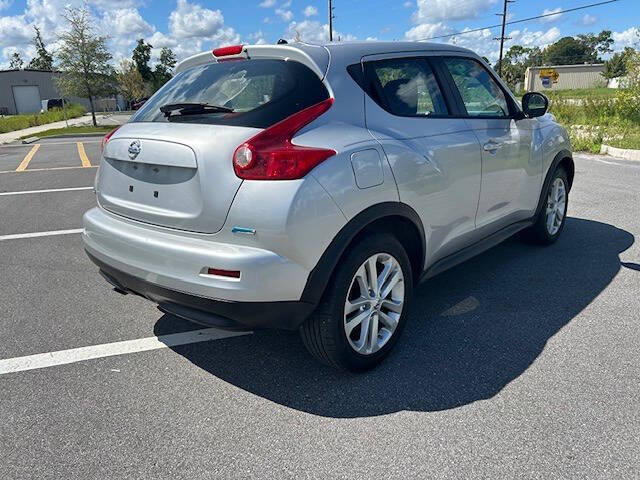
260,93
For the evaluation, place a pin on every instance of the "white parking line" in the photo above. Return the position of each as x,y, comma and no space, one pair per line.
74,355
17,236
50,190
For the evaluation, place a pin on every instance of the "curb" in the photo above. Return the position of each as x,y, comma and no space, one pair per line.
73,135
624,153
30,140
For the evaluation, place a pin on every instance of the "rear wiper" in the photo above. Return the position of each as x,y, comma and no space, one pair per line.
193,108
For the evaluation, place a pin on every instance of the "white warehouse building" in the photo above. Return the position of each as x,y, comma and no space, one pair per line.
564,77
22,91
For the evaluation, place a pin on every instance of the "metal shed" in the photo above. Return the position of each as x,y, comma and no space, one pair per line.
564,77
21,91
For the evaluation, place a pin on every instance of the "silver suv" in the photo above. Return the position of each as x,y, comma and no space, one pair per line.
312,187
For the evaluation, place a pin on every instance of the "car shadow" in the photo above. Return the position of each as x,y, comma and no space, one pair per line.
471,331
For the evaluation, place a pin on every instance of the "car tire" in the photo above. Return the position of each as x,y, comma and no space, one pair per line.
332,333
552,216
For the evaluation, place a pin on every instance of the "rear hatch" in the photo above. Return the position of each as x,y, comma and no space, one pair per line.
173,168
181,177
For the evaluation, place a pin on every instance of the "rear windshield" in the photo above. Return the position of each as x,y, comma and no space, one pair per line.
260,92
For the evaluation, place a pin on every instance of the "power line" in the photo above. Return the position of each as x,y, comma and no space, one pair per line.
518,21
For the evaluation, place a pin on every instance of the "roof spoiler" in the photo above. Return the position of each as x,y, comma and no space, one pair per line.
284,52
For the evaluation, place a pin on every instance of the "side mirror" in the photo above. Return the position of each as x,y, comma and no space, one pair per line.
534,104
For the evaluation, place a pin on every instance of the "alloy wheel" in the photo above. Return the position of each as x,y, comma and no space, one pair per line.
374,303
556,206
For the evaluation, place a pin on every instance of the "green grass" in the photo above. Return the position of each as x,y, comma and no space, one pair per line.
581,93
11,123
74,130
576,93
630,139
613,120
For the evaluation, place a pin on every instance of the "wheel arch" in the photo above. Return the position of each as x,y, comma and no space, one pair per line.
562,159
393,217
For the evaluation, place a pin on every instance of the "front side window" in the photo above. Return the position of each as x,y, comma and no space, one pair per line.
406,87
481,95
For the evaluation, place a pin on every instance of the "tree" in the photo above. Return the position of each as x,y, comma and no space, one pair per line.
43,60
516,61
567,51
616,66
16,62
162,72
597,44
84,60
130,81
585,48
141,57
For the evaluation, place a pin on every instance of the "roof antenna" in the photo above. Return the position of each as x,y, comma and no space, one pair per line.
282,41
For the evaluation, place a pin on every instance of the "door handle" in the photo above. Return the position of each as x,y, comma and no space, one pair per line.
491,146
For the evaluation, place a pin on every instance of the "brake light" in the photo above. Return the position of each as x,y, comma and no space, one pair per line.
270,155
226,51
106,138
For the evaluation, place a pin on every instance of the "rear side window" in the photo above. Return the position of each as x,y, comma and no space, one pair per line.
481,94
260,92
405,87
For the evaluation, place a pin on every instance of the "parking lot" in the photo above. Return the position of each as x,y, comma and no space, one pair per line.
523,362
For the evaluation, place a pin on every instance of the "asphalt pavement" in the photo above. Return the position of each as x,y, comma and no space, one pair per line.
523,362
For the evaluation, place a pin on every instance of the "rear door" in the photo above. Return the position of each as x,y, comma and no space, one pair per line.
435,157
510,173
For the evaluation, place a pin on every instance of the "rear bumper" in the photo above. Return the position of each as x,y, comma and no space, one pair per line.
209,311
169,268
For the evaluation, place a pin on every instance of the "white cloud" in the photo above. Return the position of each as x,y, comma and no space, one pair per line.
267,3
432,11
191,20
314,32
627,38
407,4
551,18
588,20
310,11
371,39
257,38
285,15
287,4
126,22
120,20
15,31
482,42
5,4
431,17
425,31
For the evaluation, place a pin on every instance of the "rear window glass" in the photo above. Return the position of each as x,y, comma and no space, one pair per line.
260,92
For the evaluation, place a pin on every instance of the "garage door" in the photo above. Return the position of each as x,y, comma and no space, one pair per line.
27,98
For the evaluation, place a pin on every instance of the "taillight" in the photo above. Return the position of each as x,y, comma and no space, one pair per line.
270,155
106,138
226,51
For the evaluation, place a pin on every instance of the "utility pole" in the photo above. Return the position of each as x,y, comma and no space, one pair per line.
502,37
330,21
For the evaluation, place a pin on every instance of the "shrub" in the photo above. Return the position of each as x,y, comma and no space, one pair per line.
18,122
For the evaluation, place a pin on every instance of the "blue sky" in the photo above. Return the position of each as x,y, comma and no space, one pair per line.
189,26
